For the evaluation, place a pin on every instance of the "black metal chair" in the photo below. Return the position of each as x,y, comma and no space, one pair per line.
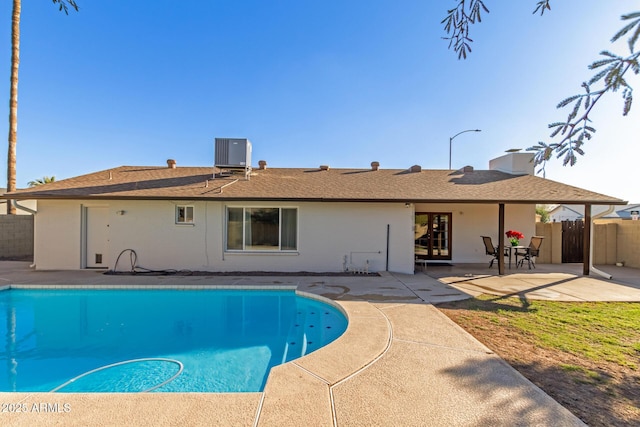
530,253
490,249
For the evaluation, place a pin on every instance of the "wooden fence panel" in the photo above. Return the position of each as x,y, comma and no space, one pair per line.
572,241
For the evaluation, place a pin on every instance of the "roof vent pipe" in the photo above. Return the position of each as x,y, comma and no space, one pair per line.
324,167
375,166
262,164
171,164
415,168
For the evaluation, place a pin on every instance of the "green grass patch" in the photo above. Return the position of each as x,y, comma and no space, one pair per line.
583,375
571,368
599,331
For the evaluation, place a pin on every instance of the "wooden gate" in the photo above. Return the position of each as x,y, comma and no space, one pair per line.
572,241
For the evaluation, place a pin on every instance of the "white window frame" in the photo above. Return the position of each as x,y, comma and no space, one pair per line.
266,251
187,220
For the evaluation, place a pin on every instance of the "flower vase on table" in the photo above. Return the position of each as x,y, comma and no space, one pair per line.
514,237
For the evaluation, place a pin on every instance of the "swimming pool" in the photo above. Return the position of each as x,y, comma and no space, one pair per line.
156,340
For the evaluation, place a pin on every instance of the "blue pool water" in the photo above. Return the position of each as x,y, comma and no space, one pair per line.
194,340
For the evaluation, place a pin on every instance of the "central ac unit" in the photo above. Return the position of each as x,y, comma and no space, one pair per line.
233,153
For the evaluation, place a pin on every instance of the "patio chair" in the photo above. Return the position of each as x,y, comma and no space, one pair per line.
490,249
530,253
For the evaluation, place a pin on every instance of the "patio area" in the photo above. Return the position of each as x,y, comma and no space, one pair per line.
400,362
560,282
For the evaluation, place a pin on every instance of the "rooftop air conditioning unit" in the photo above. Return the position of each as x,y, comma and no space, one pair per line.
233,153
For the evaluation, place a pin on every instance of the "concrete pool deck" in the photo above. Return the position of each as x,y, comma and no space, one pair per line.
401,362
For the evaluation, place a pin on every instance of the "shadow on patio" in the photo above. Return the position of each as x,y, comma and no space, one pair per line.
562,282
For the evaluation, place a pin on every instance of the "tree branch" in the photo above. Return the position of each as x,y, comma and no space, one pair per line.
457,22
575,131
63,5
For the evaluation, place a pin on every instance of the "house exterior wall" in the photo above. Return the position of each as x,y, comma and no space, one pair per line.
470,221
328,233
563,213
331,232
57,235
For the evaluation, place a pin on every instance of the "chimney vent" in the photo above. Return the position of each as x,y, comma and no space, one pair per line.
415,168
262,164
514,163
171,164
324,167
375,166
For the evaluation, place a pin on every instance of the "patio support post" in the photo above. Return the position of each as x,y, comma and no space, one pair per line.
501,239
586,242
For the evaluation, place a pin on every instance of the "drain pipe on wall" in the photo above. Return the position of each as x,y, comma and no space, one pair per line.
591,267
386,267
23,208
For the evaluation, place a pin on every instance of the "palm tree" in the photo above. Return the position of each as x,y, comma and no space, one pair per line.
41,181
13,94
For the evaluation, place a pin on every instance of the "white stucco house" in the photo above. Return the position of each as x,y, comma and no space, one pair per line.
559,213
237,219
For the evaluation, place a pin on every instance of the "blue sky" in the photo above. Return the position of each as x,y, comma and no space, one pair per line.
308,82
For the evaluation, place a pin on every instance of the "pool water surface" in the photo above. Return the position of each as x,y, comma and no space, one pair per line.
156,340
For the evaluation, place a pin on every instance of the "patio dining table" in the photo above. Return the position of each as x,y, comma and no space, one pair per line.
514,250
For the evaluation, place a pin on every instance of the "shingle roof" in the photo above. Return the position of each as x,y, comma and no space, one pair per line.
383,185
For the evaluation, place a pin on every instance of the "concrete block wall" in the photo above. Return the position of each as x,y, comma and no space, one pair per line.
605,243
16,237
628,243
551,249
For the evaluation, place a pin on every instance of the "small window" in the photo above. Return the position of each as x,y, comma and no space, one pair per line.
184,214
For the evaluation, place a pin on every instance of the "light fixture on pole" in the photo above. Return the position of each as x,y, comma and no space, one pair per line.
451,140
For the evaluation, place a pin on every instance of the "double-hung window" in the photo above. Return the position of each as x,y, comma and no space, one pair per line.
262,229
184,214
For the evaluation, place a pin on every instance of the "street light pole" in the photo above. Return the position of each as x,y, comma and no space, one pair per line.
451,140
